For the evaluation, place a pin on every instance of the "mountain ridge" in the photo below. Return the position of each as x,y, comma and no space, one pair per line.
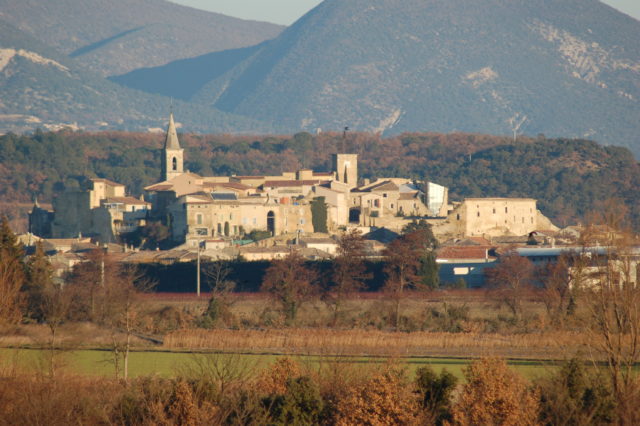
40,87
118,36
412,65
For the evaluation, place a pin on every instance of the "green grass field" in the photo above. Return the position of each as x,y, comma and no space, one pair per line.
168,364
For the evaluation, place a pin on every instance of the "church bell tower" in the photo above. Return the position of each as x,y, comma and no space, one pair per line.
172,153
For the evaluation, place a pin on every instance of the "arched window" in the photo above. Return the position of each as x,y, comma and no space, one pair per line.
175,164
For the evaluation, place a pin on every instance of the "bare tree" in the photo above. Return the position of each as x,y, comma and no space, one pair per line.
511,280
11,300
611,294
556,293
55,303
107,293
403,262
291,284
349,271
217,274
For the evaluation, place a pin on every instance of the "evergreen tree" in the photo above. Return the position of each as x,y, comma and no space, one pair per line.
39,280
9,244
11,275
319,214
429,270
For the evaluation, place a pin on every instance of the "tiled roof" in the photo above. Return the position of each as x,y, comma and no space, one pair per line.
464,252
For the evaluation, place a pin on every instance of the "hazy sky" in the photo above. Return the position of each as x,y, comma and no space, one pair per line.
285,12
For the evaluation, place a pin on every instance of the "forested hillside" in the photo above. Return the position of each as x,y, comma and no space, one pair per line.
570,178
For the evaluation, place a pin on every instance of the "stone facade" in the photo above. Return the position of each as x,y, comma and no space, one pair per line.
493,217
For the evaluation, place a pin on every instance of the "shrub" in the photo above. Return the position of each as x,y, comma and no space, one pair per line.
382,400
435,393
494,395
301,404
576,396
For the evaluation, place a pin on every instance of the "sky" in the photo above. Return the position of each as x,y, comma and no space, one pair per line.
286,12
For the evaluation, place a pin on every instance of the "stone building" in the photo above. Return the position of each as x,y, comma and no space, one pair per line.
493,217
101,210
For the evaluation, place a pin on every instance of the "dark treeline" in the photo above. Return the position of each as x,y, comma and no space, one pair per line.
248,276
568,177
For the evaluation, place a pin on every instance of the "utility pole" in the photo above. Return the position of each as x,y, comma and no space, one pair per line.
198,271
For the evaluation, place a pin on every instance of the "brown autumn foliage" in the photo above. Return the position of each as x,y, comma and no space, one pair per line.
11,299
273,381
495,395
384,399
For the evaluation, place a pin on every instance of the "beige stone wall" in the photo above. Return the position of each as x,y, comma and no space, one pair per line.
168,170
346,168
495,216
195,220
337,207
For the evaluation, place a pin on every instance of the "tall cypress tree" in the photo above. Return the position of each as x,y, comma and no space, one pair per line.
39,280
9,245
11,274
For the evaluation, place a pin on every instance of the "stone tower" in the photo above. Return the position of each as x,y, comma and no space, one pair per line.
345,167
172,154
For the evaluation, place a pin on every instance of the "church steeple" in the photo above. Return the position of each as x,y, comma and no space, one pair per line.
172,153
172,142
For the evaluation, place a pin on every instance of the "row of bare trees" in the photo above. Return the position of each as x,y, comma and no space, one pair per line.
409,265
100,290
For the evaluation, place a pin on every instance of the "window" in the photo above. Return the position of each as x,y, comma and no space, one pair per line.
384,195
478,214
506,209
458,216
391,205
202,231
494,211
199,219
376,203
175,164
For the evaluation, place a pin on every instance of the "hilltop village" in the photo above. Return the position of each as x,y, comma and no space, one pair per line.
265,217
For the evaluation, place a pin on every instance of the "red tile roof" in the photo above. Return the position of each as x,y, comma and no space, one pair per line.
467,252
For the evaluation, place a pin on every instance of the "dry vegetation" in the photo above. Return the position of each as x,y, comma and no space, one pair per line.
552,345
